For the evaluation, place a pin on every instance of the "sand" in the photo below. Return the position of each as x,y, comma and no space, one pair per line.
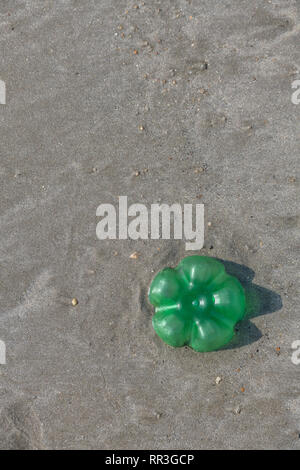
174,101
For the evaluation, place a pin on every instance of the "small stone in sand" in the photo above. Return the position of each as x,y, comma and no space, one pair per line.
74,302
199,170
134,255
218,380
237,410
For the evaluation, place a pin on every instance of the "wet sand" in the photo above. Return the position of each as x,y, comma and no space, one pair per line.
174,101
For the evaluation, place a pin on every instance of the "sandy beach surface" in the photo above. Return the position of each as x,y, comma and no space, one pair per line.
185,101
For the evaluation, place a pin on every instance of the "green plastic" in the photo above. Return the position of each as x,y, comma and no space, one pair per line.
196,304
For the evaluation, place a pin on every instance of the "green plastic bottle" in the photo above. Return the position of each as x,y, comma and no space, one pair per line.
196,304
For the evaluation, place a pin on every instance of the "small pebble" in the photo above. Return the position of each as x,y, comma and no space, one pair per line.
134,255
237,410
218,380
74,302
199,170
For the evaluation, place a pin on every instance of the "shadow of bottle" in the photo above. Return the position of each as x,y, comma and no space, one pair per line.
259,301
